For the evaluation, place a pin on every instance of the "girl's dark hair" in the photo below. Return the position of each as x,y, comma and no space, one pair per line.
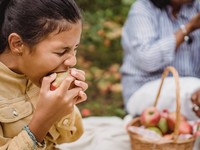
160,3
35,19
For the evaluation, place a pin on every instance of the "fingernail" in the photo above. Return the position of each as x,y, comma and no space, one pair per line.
77,82
73,72
53,75
82,93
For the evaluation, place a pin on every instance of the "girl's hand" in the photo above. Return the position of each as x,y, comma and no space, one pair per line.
196,102
53,105
79,76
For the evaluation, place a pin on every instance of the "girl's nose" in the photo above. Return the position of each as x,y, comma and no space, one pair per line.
70,62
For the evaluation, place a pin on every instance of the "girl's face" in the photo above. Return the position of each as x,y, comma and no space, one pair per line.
55,53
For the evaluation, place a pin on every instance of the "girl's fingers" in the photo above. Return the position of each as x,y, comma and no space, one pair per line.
78,74
73,94
64,86
46,81
81,97
81,84
79,71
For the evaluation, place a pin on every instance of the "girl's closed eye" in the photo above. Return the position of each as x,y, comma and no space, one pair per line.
62,52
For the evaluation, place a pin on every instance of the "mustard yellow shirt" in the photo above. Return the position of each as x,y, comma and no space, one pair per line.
18,98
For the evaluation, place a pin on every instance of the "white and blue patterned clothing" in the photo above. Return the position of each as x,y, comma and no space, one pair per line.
149,45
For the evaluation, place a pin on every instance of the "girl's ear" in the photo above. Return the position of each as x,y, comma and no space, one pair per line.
15,44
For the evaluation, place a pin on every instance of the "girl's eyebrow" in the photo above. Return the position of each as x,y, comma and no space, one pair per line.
70,47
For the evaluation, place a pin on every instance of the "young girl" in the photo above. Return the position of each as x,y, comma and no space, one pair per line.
39,38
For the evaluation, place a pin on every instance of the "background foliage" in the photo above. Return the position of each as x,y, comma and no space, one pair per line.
100,55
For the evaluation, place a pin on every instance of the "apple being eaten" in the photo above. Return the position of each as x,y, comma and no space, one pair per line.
150,117
60,77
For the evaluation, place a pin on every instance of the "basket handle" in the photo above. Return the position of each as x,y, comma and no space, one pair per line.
176,77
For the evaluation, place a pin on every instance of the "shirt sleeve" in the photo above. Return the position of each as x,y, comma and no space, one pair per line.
68,129
142,42
20,142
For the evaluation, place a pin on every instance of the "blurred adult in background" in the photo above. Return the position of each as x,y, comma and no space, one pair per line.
157,34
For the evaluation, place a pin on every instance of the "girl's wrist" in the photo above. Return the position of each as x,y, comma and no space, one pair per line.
33,138
39,128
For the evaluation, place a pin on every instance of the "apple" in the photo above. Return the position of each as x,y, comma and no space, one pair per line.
162,125
60,77
164,113
171,120
150,117
155,129
185,128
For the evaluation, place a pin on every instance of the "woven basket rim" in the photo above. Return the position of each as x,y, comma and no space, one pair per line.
146,140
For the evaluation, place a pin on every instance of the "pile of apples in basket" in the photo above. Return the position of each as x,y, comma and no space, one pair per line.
161,124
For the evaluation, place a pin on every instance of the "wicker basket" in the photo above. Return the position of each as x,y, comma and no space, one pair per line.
138,142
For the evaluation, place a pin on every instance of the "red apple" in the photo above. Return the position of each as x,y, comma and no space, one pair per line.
60,77
164,113
171,120
185,128
150,117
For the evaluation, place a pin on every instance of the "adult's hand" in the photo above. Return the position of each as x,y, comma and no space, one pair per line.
194,23
196,102
191,26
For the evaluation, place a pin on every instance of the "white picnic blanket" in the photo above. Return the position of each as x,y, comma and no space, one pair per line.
101,133
105,133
